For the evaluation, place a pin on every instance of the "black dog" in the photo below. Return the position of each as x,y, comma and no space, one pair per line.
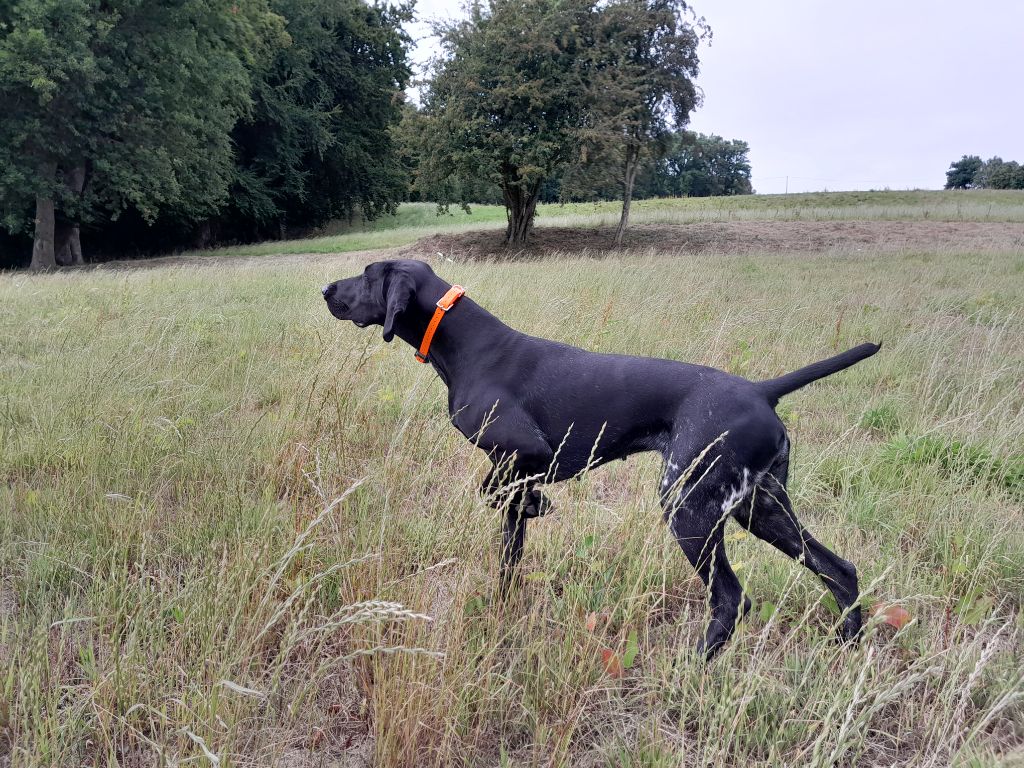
546,411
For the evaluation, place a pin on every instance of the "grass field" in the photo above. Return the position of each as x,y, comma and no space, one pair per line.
236,532
416,220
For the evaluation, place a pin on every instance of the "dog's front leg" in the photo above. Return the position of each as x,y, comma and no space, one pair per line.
513,536
509,488
515,504
520,456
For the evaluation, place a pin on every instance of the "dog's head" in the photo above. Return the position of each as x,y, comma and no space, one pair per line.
379,295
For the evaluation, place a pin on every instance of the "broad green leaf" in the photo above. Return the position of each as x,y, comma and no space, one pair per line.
632,648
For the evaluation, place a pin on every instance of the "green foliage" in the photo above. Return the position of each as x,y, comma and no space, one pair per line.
537,97
644,60
961,173
439,187
237,117
317,144
505,103
995,173
532,95
141,93
41,53
884,418
632,649
698,165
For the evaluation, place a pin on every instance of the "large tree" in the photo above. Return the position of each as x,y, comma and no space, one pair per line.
317,144
117,103
507,101
644,61
529,92
961,173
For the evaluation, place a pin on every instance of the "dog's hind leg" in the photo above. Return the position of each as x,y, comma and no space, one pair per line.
770,517
696,514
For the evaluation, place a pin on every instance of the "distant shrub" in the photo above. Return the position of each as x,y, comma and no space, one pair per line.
970,172
884,419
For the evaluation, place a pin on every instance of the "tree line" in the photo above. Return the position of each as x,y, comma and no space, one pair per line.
971,172
145,125
191,121
689,164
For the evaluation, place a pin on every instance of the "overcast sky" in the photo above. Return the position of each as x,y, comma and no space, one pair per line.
854,95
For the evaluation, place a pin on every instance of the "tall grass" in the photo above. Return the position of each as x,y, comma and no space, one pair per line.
238,532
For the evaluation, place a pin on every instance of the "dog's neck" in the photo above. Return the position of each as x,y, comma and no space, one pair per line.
466,331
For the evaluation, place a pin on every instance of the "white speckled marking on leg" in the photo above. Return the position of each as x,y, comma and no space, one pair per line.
667,480
736,495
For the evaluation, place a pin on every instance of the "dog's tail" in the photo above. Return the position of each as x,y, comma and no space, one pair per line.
773,389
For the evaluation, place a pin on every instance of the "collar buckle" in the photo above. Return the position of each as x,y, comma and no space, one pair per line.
451,296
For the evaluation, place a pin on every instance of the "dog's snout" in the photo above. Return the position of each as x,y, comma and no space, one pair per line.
327,290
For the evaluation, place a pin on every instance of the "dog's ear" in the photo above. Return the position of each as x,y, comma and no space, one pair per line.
398,289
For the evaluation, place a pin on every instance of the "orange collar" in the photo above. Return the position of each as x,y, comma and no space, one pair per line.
445,303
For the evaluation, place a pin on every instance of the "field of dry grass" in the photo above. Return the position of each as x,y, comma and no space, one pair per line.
236,532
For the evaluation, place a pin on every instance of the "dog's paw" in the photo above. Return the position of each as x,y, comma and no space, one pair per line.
852,627
510,582
536,505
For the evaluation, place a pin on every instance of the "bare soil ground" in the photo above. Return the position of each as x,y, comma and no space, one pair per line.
737,237
719,237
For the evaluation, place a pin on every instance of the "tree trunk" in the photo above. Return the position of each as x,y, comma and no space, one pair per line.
67,246
520,207
62,243
203,236
43,256
76,246
628,178
68,236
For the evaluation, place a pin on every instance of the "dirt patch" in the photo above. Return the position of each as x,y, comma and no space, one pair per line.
735,237
358,756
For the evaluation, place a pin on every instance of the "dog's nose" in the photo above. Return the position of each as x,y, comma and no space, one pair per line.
326,290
